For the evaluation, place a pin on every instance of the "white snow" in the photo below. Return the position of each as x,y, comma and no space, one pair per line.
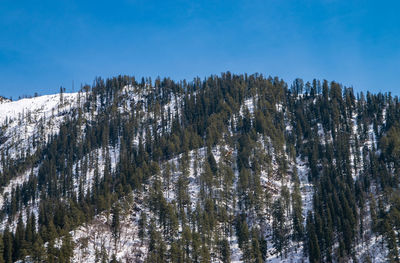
21,121
91,238
306,187
248,104
40,116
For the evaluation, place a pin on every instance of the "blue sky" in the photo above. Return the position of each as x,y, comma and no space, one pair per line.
48,44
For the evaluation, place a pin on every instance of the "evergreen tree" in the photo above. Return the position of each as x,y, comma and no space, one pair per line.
7,241
1,250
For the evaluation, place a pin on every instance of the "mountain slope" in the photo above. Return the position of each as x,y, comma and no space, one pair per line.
234,168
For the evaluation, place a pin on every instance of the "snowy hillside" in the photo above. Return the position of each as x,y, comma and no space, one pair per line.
27,120
230,169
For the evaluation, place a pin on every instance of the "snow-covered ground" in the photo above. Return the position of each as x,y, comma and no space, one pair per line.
22,121
97,237
16,181
26,120
306,188
43,105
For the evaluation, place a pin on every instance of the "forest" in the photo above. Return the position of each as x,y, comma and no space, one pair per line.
229,168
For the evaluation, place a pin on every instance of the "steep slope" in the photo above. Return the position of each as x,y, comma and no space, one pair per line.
234,168
27,120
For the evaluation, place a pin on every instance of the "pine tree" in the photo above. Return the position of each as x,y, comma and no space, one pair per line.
142,226
1,250
225,251
115,224
19,240
7,241
38,250
279,227
67,248
297,214
312,240
114,259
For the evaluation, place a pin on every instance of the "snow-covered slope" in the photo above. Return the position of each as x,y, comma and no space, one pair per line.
30,119
245,183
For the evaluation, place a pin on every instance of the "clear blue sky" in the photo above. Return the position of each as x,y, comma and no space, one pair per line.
48,44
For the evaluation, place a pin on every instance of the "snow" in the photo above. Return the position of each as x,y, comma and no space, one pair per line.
279,107
16,181
43,105
371,142
353,150
306,188
374,248
371,245
21,121
89,177
91,238
236,252
40,116
248,104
